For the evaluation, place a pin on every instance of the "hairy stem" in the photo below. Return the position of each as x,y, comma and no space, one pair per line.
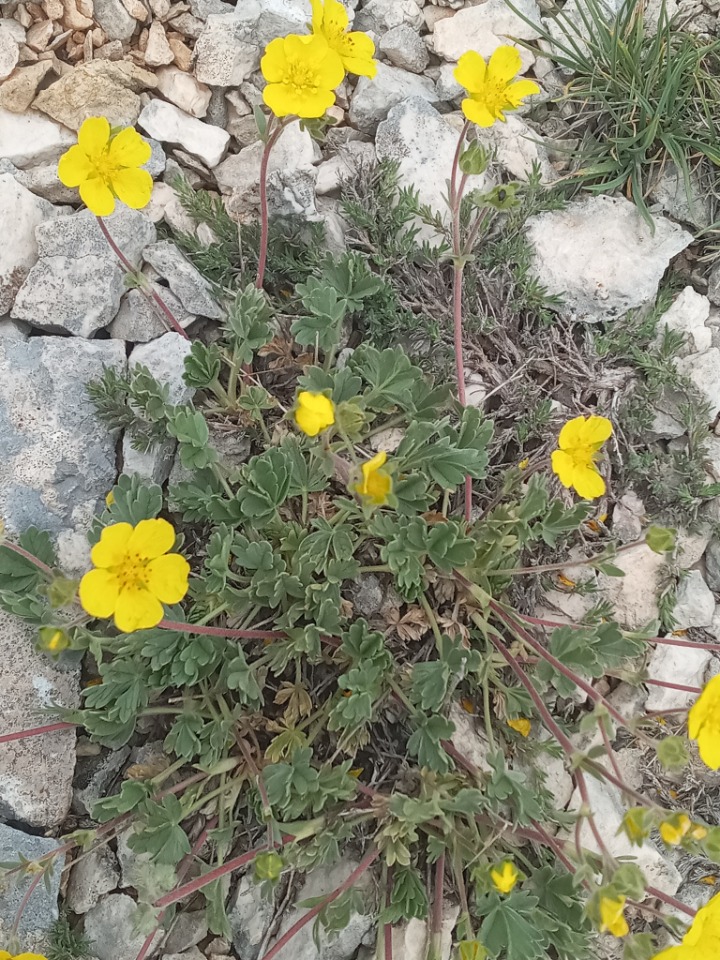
271,138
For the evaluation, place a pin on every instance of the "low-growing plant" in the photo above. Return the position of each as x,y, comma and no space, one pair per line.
300,729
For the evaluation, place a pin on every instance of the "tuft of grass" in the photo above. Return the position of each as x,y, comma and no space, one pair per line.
66,943
641,99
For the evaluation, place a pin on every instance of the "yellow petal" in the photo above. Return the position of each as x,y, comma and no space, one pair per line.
151,538
111,549
597,430
505,63
709,746
314,413
317,15
572,433
137,609
97,197
470,72
129,149
588,483
167,577
521,89
93,136
563,467
74,167
356,51
274,61
478,113
133,187
336,17
99,591
24,956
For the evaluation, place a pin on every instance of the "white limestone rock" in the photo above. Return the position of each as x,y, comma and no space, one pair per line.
169,124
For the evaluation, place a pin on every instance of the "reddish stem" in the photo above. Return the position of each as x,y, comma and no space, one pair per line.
48,571
221,631
148,292
24,902
437,911
36,731
264,216
673,686
361,868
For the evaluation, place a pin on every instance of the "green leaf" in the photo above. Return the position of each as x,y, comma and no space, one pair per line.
629,881
202,365
248,323
639,946
672,753
390,375
132,794
429,684
408,898
38,543
342,383
424,742
560,520
265,486
132,499
661,539
509,928
160,833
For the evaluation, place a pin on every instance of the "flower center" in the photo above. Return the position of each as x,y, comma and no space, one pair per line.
583,456
131,573
302,77
104,167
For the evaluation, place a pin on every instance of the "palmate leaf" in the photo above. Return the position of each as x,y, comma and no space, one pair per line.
509,929
391,376
161,835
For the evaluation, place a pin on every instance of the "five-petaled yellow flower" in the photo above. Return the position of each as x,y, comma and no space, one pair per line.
704,723
521,725
4,955
492,88
579,444
504,876
314,412
674,830
355,48
376,484
301,74
612,916
702,941
134,575
106,165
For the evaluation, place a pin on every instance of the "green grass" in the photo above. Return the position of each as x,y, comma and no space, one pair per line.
641,99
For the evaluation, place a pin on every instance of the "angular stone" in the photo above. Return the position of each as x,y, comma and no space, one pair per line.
703,369
405,48
94,778
13,329
9,52
681,665
517,149
165,359
168,124
58,458
688,315
184,91
484,28
138,320
116,22
24,211
225,53
410,940
600,256
695,604
423,143
250,915
35,774
373,99
157,52
18,91
32,138
93,876
186,281
382,15
42,180
41,910
100,88
79,235
110,927
635,596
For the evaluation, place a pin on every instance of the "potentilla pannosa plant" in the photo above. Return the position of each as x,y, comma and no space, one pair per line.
298,730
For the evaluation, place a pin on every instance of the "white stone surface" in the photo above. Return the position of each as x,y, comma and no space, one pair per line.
695,604
31,138
688,315
183,90
600,256
484,28
635,596
168,124
685,666
704,371
373,98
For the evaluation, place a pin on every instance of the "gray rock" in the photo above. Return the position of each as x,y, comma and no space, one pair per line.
164,358
41,910
186,282
368,595
95,778
484,28
714,284
58,457
351,158
250,916
517,148
110,927
410,940
139,321
188,929
423,142
42,180
94,875
379,16
703,369
30,138
712,565
116,22
635,596
13,329
226,53
168,124
671,195
138,870
36,773
695,603
77,283
319,883
628,517
22,209
373,99
446,86
600,256
405,48
681,665
688,316
158,159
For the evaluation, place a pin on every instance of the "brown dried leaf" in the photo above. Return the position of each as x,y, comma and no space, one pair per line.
411,626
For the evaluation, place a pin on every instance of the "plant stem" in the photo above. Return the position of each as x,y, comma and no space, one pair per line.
220,631
361,868
147,291
271,138
435,945
26,555
551,567
36,731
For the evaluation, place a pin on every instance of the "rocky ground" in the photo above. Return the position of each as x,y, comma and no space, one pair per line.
186,73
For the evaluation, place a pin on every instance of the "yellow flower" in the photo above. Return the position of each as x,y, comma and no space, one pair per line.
702,941
53,640
376,484
704,723
105,165
612,917
134,575
579,443
698,831
314,412
673,830
504,876
110,499
4,955
492,88
355,49
301,74
521,725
